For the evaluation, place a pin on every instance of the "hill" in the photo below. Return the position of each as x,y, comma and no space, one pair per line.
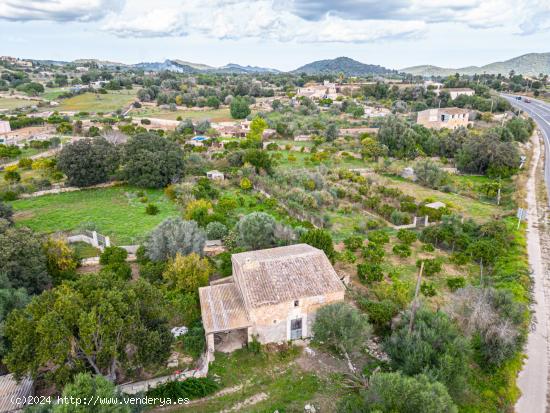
345,65
235,68
170,65
527,64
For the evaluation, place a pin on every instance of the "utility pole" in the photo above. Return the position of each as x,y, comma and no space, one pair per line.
491,105
415,300
481,272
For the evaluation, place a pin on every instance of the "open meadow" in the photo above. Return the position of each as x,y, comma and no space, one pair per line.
117,212
13,103
96,102
213,115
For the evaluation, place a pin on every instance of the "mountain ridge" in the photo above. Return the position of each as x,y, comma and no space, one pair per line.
526,64
342,64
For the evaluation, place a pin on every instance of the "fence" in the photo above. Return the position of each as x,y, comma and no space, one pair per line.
418,222
62,189
92,238
142,386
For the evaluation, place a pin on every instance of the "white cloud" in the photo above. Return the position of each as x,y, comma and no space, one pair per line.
285,20
58,10
244,19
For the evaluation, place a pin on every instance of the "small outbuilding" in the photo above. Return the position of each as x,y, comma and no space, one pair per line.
436,205
215,175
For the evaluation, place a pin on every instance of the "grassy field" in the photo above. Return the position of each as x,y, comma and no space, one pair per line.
53,93
213,115
116,212
12,103
468,207
91,102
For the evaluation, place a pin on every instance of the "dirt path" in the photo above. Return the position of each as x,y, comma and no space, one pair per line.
533,379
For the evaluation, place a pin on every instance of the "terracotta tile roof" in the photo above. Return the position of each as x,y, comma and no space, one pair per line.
454,111
277,275
222,308
9,389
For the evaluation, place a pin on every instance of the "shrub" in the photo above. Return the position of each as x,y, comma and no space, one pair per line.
431,267
434,347
24,163
370,273
341,328
198,211
174,235
151,209
402,250
113,255
454,283
399,218
406,236
379,237
380,312
427,289
120,271
373,253
354,242
187,273
216,230
347,256
398,393
194,342
256,230
191,388
245,184
428,248
319,238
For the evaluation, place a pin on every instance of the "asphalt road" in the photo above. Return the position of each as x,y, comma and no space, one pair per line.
540,112
533,379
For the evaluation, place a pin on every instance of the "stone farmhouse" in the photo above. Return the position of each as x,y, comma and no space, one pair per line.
316,91
450,118
456,92
273,296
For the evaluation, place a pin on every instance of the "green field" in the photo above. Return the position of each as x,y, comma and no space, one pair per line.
214,115
92,102
12,103
53,93
116,212
471,208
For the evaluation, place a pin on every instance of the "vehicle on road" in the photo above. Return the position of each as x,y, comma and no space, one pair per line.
527,100
518,97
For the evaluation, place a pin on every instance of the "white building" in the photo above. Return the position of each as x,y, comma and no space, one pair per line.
215,175
456,92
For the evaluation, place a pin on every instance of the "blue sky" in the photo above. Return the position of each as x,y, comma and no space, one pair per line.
283,34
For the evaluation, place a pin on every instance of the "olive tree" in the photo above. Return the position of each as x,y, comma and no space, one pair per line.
397,393
172,236
257,230
341,328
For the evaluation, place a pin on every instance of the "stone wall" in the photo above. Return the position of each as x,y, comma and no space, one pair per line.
272,323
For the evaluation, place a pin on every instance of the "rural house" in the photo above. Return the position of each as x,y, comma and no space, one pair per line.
273,295
450,118
456,92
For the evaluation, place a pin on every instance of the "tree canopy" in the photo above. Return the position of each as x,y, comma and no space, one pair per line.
89,324
88,161
151,161
172,236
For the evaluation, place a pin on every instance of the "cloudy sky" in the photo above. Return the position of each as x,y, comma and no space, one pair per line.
283,34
